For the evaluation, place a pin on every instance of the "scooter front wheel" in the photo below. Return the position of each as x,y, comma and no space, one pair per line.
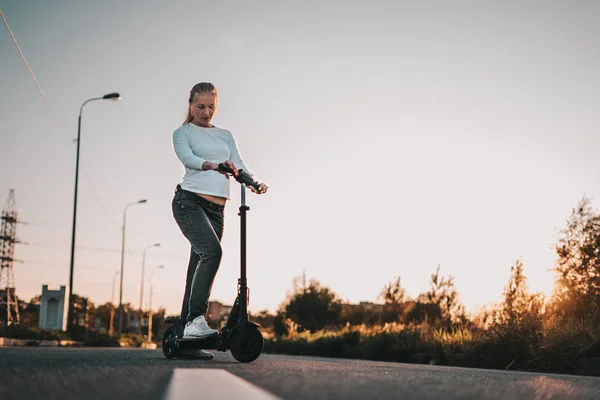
247,346
168,345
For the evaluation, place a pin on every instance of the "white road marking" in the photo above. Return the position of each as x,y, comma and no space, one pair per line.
209,384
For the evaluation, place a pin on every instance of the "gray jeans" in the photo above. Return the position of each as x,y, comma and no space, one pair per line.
201,222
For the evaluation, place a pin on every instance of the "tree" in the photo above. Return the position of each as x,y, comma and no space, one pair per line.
394,298
130,313
422,310
103,313
518,304
393,292
517,327
264,319
279,326
30,312
157,320
84,312
578,263
365,313
443,293
313,307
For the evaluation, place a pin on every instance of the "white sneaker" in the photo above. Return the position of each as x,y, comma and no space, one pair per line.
198,329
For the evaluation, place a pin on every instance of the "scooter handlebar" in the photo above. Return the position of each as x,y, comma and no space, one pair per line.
242,176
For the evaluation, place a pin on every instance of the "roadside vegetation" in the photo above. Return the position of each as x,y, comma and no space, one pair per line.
523,331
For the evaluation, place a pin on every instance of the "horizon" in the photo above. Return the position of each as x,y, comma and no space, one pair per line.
294,289
394,138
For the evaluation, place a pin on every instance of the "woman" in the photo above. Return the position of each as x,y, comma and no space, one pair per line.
199,201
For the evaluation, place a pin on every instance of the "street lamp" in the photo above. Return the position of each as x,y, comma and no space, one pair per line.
142,281
150,312
112,305
122,263
110,96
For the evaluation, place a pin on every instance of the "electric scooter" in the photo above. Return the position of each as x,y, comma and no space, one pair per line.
240,335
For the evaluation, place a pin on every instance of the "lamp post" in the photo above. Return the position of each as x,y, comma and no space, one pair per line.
112,305
150,312
123,262
110,96
142,281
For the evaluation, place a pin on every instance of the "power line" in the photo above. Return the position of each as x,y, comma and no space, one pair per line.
54,225
98,198
101,249
48,225
26,63
53,113
48,264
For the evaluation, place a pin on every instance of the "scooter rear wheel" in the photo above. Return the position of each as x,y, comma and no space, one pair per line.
247,347
169,349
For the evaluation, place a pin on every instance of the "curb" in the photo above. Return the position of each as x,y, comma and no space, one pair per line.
5,342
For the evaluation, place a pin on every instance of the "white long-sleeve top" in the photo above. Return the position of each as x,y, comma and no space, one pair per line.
194,145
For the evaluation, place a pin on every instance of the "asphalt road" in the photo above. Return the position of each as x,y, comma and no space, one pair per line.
92,373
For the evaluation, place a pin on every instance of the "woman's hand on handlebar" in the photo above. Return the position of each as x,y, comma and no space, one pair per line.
228,163
227,167
262,188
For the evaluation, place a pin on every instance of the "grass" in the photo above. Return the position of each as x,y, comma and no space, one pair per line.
541,346
87,338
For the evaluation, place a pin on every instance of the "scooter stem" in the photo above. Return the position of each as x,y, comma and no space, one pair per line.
243,194
243,286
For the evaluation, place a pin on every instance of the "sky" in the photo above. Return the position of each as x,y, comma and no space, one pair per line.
394,137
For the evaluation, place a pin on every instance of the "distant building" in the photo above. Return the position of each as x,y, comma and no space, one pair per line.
54,307
100,327
133,320
370,306
217,312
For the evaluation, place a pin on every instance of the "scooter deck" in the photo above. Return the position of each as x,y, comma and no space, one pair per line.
211,342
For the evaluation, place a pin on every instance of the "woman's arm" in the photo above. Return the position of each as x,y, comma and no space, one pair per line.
183,150
235,154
